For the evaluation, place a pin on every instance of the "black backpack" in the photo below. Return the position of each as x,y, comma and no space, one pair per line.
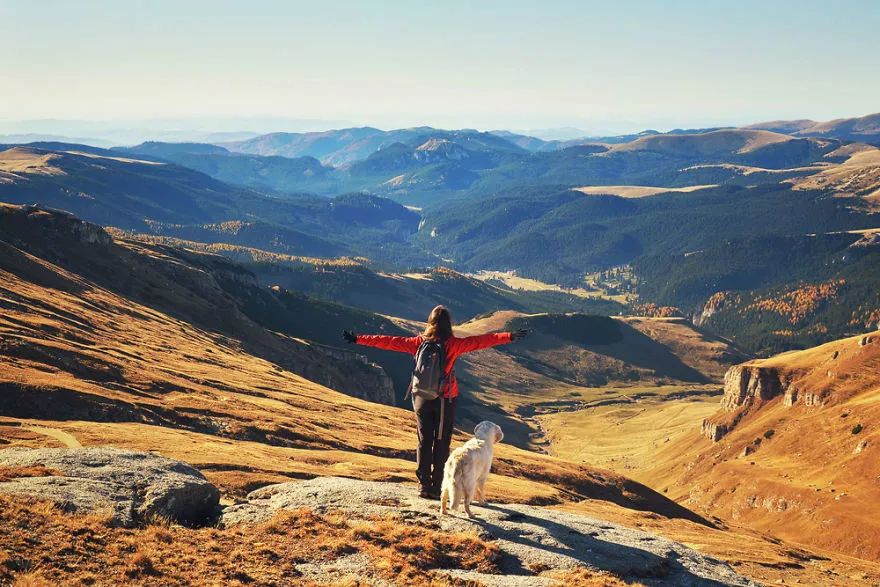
429,374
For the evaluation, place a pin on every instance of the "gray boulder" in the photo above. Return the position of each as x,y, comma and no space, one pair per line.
132,486
531,538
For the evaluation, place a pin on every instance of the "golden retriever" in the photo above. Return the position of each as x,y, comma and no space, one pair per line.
464,476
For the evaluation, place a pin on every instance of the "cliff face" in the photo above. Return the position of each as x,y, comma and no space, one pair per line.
744,386
814,378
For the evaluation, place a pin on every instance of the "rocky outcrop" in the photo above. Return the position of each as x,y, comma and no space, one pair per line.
131,486
713,430
716,303
532,540
746,384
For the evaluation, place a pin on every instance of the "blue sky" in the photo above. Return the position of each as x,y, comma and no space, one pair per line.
603,66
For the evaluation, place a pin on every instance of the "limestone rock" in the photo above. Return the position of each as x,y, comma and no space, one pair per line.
713,431
744,384
132,486
528,536
814,399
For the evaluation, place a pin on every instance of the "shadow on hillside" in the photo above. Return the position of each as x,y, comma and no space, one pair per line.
632,348
642,351
588,549
596,484
18,263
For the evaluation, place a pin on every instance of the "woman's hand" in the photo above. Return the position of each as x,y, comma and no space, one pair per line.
519,334
349,336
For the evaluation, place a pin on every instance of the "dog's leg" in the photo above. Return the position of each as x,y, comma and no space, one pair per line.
481,487
468,497
467,505
444,498
456,496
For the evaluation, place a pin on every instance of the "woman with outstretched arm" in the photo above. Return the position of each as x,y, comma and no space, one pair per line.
435,418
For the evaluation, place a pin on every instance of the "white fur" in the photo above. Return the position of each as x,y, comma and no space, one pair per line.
464,476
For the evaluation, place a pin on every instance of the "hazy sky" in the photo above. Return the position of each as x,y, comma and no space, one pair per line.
604,66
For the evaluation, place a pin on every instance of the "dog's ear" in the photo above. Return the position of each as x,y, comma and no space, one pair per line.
499,434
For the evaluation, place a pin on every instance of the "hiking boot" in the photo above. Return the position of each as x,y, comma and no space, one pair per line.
426,492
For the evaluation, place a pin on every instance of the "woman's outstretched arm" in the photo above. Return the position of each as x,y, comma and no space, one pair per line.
483,341
401,344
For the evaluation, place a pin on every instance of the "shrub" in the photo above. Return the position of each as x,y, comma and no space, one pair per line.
769,434
857,428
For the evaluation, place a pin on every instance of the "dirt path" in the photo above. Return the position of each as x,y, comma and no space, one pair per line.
61,436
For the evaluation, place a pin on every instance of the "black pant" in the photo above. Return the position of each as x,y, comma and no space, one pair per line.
433,451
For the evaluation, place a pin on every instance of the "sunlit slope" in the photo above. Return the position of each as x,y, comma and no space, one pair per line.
795,450
106,367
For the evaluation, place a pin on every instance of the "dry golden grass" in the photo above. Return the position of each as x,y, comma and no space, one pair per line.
42,546
624,438
804,481
582,577
120,159
859,175
513,281
637,191
719,142
18,160
32,579
9,473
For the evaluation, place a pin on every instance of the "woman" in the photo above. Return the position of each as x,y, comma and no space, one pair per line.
435,418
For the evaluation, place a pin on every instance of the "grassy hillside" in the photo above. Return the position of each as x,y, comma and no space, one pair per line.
863,128
103,344
797,453
150,347
205,290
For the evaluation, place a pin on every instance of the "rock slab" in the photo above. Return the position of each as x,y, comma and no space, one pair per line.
132,486
531,538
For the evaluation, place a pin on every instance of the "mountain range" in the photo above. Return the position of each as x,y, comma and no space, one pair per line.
190,296
697,215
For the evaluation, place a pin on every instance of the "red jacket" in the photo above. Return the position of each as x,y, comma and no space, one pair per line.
455,347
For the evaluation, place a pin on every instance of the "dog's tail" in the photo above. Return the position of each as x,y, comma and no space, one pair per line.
444,499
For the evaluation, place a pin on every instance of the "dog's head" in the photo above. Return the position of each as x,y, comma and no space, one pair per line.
489,431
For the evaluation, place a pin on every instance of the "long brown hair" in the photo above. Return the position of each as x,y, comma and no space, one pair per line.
439,324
